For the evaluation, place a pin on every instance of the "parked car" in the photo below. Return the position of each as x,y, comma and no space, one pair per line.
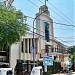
6,71
37,71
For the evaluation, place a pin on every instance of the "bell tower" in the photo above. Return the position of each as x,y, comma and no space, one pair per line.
44,26
43,19
44,8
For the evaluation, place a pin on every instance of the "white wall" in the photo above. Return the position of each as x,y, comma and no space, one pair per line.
40,26
14,55
49,20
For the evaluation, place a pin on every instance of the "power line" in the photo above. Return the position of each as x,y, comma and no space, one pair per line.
43,20
67,37
49,34
56,13
38,7
56,19
63,24
61,28
33,3
53,36
43,32
40,34
48,21
51,39
51,22
59,11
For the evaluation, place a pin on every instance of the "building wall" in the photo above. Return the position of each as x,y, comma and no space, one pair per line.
24,50
14,55
44,17
40,25
27,49
41,30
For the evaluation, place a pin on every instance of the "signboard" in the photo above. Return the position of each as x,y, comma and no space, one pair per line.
48,60
70,62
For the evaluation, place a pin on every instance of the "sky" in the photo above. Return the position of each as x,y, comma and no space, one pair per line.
61,11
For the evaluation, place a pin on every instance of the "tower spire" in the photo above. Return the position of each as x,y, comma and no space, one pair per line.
45,2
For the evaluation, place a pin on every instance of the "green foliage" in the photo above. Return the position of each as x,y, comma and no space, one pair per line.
12,26
72,52
72,56
71,49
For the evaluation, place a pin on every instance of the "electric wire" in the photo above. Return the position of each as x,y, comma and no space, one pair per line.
48,21
50,39
55,18
57,14
49,35
59,11
33,3
61,28
44,32
52,22
41,31
40,34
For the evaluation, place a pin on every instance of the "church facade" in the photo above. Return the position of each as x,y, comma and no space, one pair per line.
45,44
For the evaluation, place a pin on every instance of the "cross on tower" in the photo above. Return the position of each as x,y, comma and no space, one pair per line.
45,2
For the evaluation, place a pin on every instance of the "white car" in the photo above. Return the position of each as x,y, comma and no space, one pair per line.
5,71
37,71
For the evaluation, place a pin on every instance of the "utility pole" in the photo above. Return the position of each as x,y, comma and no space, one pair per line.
33,35
34,38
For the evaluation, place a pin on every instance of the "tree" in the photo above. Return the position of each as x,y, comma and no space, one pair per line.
72,55
12,26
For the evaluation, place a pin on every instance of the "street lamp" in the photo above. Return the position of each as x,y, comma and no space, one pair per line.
33,37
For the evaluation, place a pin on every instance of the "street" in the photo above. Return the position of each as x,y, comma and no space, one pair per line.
73,73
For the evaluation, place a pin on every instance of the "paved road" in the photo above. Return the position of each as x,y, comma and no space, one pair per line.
73,73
